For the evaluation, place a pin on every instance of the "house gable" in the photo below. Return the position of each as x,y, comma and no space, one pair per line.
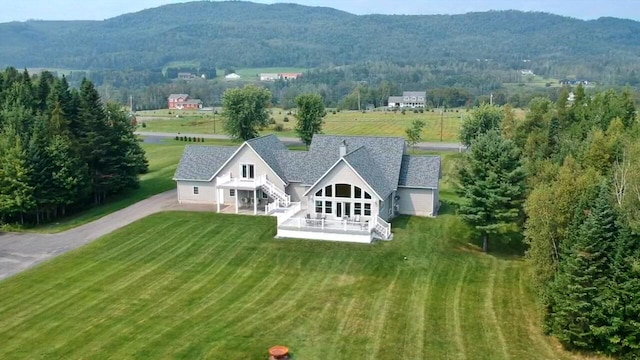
341,173
247,155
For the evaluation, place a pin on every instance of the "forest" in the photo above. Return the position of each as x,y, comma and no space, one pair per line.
565,183
61,149
244,34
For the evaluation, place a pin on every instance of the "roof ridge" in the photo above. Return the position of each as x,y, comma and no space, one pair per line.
263,137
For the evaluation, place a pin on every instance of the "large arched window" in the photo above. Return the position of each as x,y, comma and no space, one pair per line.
343,200
343,191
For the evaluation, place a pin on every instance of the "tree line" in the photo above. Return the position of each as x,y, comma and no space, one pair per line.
566,181
61,148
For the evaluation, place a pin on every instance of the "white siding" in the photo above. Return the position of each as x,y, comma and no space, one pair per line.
342,174
420,202
206,192
296,191
384,208
246,155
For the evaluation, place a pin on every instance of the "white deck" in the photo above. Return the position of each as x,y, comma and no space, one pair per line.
298,226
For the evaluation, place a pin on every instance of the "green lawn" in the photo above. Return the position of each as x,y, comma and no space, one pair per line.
343,123
205,285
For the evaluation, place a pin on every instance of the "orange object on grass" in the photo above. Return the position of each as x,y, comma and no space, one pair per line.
278,351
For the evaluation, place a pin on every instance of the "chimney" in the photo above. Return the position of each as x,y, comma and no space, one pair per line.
343,148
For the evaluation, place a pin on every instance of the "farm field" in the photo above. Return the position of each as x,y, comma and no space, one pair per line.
378,123
206,285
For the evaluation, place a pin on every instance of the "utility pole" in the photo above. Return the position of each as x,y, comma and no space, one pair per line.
358,97
214,119
131,102
441,119
491,99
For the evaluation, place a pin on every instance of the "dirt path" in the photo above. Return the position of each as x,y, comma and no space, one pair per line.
19,251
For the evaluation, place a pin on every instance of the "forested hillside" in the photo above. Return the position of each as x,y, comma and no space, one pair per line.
244,34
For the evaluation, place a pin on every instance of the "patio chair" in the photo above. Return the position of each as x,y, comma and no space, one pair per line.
308,219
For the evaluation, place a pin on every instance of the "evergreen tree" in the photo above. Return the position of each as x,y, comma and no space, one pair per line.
69,174
16,194
491,180
581,293
41,167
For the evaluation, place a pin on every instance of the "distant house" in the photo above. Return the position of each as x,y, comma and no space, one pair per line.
345,188
289,76
232,76
183,102
573,82
186,76
409,99
526,72
269,77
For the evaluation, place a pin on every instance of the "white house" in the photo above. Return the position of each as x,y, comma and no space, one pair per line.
345,188
232,76
269,76
409,99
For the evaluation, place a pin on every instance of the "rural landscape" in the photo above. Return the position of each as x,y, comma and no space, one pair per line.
236,180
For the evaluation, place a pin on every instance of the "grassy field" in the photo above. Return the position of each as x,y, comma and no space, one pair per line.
204,285
343,123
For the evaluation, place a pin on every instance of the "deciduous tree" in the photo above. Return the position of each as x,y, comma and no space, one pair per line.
245,111
309,115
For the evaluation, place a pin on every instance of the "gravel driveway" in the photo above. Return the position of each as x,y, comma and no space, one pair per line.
19,251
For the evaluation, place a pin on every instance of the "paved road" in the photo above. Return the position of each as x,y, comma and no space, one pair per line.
24,250
157,137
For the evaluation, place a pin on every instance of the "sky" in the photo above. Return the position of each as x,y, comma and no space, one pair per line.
103,9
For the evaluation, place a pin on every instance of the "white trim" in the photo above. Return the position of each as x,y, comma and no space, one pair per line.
255,152
417,187
352,169
284,183
248,172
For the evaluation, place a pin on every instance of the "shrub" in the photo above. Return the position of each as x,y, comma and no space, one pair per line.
272,121
286,119
403,111
144,124
278,127
177,138
334,112
415,111
421,111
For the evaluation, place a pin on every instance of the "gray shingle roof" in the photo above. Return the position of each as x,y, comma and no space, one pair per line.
200,162
414,93
395,99
370,172
420,171
175,96
380,161
270,148
386,152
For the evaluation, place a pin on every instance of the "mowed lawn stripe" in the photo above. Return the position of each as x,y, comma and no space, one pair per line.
219,286
64,272
140,287
106,302
67,285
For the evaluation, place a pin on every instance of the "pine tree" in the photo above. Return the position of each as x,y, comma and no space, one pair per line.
69,174
41,170
491,180
16,194
581,296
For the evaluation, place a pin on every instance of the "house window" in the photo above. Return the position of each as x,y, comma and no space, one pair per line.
196,191
367,195
318,207
232,192
357,192
264,195
357,209
328,191
328,207
247,171
343,190
367,209
319,193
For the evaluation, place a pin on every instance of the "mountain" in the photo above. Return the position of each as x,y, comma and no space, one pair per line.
244,34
